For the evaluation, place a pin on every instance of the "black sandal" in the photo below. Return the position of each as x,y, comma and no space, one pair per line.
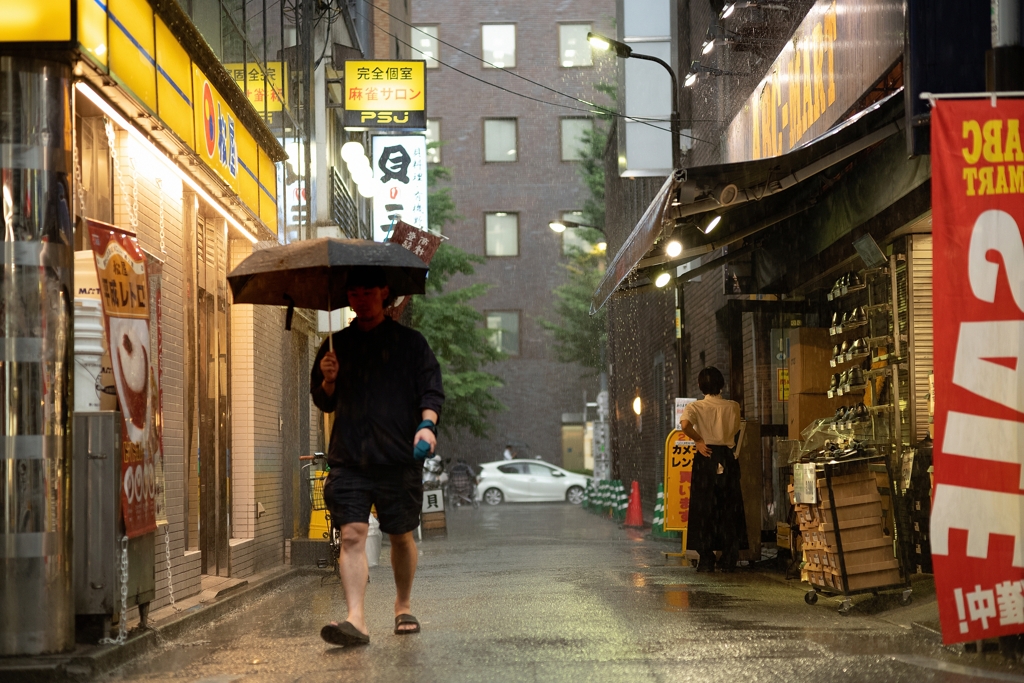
344,634
402,619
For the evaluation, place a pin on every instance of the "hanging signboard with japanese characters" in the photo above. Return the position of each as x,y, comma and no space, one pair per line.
266,92
124,290
420,242
977,516
400,164
387,93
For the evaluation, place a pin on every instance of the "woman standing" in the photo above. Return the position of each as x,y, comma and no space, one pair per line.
717,520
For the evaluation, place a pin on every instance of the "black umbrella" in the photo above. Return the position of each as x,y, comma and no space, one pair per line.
314,273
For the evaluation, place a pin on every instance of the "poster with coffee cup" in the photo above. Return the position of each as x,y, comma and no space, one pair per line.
124,290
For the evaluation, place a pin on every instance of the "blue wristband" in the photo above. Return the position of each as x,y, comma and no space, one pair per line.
428,424
422,451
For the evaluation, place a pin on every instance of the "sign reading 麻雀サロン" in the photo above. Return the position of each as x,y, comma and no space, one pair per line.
385,94
400,164
977,516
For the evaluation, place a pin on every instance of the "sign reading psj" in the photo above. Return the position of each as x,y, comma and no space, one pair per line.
215,139
388,94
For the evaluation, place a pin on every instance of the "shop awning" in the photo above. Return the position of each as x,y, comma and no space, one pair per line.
746,194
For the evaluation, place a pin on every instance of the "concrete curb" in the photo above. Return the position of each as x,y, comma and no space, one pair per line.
89,661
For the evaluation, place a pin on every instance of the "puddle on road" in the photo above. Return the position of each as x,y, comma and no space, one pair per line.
679,597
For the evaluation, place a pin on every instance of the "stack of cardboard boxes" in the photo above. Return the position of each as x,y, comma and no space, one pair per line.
867,552
810,374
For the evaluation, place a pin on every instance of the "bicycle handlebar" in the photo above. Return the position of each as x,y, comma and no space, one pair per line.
307,457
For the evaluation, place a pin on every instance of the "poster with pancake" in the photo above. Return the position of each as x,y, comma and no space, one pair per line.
124,290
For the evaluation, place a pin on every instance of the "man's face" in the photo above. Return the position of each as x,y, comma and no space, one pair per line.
367,302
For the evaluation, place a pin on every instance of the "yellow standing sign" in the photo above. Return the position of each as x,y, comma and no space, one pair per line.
679,454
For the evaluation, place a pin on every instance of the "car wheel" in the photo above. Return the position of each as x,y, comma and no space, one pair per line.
493,497
574,495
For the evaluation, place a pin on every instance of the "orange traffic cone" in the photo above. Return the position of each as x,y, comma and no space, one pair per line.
634,517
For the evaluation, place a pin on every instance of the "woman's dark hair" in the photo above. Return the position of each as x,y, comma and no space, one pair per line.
710,381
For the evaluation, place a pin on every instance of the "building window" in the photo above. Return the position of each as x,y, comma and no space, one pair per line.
433,135
573,132
500,140
502,233
499,43
573,48
572,238
425,45
504,329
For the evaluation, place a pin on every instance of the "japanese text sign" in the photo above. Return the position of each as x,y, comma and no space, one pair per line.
433,501
400,164
215,129
977,519
423,244
265,93
679,454
124,289
385,94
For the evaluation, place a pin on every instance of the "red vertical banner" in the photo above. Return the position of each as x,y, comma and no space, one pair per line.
124,290
977,513
420,242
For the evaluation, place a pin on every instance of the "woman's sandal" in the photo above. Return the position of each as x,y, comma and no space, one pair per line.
344,634
403,619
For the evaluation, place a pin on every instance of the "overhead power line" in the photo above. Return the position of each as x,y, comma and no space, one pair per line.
593,108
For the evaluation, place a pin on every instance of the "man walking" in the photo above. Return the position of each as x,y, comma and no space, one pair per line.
383,384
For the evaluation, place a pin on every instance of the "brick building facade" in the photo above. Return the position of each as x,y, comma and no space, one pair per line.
538,187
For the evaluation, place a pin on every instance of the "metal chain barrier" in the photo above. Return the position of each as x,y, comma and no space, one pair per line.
79,185
160,197
167,556
131,207
122,622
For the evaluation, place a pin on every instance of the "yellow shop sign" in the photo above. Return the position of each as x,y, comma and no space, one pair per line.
267,92
385,94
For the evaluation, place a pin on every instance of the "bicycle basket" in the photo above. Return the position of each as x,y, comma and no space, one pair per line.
316,490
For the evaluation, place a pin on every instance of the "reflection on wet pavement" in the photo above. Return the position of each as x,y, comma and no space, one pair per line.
552,593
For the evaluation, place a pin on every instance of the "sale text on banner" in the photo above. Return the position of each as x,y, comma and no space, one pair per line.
977,519
124,290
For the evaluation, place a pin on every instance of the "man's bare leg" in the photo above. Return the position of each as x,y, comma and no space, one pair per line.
354,571
404,558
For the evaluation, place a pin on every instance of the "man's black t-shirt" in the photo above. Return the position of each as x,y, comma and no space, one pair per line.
386,378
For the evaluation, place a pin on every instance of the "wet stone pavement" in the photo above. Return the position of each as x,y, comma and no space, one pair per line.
553,593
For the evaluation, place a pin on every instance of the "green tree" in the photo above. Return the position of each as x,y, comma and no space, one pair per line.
452,327
579,336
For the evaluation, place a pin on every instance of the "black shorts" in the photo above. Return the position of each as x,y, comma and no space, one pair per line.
397,493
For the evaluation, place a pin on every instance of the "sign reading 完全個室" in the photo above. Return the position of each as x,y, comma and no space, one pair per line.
385,94
837,53
977,515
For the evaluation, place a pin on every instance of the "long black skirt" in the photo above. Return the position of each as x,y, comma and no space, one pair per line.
717,519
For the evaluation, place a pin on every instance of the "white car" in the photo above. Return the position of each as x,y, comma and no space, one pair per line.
528,481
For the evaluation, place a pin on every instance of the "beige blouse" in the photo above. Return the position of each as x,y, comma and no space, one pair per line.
716,419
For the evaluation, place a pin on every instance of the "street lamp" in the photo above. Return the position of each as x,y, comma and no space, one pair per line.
599,42
560,226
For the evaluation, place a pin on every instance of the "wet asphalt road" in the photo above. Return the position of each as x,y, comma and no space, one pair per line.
553,593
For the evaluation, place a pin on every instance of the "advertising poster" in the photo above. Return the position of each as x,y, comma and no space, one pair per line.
124,290
978,505
679,454
399,162
420,242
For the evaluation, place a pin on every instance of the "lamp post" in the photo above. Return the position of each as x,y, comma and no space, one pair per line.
599,42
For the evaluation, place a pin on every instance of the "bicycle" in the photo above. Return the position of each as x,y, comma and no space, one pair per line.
316,474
